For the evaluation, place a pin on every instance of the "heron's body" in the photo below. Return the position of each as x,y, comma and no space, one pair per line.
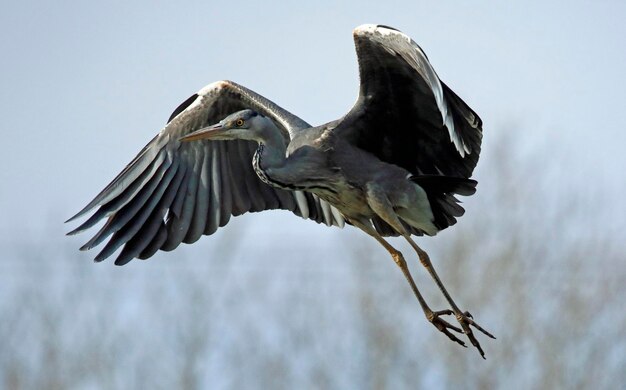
390,167
342,181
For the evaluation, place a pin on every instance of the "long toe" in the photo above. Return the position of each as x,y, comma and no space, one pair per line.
475,325
444,326
466,321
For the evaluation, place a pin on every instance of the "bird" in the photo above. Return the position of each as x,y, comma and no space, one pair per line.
392,166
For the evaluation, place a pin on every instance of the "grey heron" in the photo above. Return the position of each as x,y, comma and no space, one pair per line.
390,167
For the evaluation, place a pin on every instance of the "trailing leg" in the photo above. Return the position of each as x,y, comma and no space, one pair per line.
464,318
433,316
381,205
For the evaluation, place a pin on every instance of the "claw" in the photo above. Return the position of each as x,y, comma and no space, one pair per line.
466,320
444,326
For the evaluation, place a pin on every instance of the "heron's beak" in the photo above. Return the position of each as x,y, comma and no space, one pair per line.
209,132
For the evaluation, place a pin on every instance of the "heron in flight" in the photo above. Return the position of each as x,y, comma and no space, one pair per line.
390,167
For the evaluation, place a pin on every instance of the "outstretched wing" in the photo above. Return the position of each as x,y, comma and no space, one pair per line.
404,114
175,192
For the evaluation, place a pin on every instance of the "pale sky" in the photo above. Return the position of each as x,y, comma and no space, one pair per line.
86,85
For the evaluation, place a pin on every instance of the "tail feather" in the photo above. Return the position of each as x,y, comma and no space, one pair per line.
440,191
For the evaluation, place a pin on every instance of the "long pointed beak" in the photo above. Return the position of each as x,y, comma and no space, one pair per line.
204,133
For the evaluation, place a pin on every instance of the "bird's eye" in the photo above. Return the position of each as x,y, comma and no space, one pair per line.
239,122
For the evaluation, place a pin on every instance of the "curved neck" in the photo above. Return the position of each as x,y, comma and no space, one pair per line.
270,158
268,163
272,152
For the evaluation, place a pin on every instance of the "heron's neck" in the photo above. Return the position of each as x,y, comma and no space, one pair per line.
269,161
272,151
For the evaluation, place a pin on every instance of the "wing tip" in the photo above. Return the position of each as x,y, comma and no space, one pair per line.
123,259
74,232
82,212
369,29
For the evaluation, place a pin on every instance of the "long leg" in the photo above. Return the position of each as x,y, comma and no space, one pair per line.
380,204
433,316
464,318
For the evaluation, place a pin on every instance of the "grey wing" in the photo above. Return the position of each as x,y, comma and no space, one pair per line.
404,114
174,192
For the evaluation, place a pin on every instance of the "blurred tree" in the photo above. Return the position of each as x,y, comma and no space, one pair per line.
530,257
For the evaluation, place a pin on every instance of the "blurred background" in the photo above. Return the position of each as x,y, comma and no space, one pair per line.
273,301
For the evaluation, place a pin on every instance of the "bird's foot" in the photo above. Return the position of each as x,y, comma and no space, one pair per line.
466,320
444,326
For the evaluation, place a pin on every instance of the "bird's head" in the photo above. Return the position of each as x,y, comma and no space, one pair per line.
245,124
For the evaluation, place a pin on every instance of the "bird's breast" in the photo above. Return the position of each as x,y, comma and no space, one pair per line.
265,177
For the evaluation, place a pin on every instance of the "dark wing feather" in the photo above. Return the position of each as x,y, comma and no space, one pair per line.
404,114
175,192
